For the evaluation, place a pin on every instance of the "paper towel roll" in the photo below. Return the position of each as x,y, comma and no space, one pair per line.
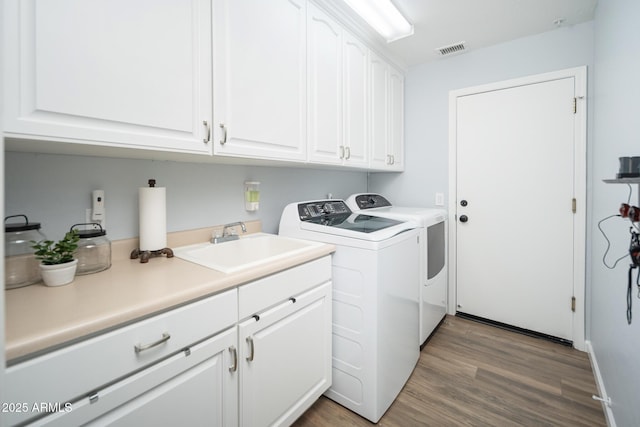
153,218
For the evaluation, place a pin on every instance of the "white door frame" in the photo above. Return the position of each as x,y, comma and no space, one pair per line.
580,190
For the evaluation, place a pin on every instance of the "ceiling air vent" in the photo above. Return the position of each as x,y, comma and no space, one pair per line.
451,49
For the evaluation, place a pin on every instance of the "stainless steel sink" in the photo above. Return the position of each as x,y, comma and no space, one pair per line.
250,251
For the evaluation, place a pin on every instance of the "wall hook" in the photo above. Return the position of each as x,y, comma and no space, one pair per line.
606,401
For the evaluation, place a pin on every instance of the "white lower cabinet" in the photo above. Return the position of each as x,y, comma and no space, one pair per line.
119,365
195,387
285,357
256,355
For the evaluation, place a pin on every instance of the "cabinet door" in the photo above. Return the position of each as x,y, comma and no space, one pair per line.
379,92
396,120
356,107
260,78
194,387
285,356
325,88
109,72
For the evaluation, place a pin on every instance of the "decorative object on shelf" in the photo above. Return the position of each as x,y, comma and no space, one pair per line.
629,167
57,262
20,264
152,202
251,195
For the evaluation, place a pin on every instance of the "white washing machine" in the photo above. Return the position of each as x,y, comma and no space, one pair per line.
433,253
375,300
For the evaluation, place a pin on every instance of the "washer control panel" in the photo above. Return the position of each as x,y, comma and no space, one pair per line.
368,201
323,208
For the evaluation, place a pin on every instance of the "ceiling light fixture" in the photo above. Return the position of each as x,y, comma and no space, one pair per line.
384,17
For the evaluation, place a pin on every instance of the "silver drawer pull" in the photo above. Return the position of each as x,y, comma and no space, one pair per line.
142,347
224,134
250,342
234,355
208,129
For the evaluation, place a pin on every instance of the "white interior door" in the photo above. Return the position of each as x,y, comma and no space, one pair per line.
515,223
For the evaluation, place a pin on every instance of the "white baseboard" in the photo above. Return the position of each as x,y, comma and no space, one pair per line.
602,392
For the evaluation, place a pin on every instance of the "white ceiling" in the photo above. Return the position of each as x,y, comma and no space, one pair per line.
480,23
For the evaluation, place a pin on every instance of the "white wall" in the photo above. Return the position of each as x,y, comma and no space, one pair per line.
55,190
427,89
616,133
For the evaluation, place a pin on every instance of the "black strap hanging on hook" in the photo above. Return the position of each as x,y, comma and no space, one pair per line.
629,296
634,253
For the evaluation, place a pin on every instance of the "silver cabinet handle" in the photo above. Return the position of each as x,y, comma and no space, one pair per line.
388,159
348,152
208,128
250,342
142,347
234,355
342,152
224,134
393,159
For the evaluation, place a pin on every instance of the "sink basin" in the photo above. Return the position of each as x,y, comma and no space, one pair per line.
250,251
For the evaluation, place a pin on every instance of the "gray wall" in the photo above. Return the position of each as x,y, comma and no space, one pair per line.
55,190
616,133
427,89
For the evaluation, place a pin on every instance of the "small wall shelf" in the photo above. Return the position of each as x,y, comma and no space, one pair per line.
634,180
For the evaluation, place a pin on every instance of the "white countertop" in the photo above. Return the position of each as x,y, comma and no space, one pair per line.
41,318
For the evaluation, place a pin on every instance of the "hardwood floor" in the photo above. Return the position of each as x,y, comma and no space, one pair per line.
472,374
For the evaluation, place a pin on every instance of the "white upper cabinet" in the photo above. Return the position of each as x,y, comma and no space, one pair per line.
277,80
260,79
337,107
379,95
395,144
356,102
109,72
324,55
387,116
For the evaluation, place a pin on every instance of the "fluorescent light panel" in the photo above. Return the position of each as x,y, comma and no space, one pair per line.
383,16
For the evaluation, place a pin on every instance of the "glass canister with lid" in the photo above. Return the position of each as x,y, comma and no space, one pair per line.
20,264
94,249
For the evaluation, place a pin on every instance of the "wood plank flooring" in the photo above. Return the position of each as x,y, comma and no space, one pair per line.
472,374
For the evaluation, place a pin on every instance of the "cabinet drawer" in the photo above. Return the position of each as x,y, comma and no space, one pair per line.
200,386
74,371
264,293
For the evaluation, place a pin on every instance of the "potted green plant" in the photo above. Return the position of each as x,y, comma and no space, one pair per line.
57,262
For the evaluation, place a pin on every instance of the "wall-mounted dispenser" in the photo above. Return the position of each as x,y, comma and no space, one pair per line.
251,195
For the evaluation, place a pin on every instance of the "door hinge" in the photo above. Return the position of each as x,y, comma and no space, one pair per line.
573,205
573,304
575,105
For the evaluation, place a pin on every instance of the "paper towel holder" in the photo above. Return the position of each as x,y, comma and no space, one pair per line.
146,254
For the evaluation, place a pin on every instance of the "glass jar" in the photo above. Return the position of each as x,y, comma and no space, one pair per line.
20,264
94,250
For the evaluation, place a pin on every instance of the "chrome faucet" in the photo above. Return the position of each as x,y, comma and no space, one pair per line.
233,224
226,235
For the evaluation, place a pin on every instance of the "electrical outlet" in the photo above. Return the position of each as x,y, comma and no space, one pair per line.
439,199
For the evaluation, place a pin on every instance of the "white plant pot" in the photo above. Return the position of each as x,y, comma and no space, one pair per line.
58,274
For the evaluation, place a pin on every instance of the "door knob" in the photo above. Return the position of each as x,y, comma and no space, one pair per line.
463,203
464,218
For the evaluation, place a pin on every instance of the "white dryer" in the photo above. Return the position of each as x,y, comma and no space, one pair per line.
433,253
375,301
